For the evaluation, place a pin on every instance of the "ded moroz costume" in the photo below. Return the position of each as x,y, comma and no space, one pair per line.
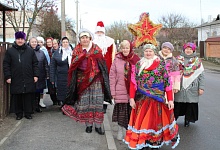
107,45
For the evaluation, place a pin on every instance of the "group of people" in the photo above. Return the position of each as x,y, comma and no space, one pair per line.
31,67
148,93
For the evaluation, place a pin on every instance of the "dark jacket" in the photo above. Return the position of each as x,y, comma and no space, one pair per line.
43,68
59,73
21,65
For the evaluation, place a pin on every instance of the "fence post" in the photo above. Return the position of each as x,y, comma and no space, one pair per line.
4,88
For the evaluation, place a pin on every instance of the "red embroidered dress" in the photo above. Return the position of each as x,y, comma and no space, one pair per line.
89,86
151,123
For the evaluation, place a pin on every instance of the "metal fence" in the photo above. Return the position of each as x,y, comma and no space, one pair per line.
4,88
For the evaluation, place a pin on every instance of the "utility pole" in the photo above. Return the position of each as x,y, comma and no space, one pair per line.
77,20
201,18
63,19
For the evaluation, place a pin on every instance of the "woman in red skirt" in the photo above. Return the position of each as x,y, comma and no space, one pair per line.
152,123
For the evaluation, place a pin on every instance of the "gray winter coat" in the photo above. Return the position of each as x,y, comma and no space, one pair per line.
191,93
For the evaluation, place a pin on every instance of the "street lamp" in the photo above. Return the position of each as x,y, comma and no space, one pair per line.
80,20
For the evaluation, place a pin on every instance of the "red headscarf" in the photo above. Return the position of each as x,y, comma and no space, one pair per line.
49,49
130,60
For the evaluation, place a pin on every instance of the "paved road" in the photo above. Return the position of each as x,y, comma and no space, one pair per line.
205,133
51,130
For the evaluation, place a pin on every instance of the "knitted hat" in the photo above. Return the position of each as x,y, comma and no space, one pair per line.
39,38
149,46
191,45
83,32
100,27
169,45
20,34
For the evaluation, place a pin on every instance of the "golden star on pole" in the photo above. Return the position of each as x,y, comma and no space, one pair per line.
144,31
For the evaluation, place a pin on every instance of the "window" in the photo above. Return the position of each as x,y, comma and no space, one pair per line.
214,33
207,34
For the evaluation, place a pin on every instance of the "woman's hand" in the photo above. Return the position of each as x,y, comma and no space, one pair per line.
170,105
201,91
8,81
35,79
132,103
175,90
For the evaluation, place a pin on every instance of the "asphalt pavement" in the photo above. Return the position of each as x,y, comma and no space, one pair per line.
51,130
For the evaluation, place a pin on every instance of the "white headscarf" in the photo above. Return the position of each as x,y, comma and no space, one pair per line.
67,54
146,63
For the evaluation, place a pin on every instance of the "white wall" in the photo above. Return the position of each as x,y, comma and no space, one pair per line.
208,29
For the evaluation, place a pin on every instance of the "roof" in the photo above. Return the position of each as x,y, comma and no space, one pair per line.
209,24
4,7
214,22
213,39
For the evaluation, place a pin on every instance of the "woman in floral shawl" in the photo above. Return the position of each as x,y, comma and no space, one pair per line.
88,84
152,123
192,84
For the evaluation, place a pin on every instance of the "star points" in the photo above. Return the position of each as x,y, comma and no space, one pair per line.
144,31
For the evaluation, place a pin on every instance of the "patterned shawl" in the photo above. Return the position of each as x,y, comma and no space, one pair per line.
190,70
92,71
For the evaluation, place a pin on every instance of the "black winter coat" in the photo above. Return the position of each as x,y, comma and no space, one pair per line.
58,74
21,65
43,68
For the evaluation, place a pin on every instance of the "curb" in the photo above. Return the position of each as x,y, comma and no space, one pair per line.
10,132
108,134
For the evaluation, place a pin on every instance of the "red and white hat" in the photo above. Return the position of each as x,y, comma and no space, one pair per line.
100,27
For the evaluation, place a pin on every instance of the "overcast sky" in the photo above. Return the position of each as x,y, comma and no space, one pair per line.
108,11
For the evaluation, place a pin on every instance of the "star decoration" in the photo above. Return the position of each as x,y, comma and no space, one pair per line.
144,31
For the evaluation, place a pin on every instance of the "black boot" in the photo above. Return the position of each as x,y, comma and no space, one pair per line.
60,103
37,101
186,123
89,129
38,110
99,131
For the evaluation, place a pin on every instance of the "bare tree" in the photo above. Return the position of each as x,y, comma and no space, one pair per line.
28,12
177,29
50,25
119,31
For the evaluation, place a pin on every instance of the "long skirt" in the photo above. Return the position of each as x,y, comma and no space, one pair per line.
89,109
121,114
152,125
189,110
